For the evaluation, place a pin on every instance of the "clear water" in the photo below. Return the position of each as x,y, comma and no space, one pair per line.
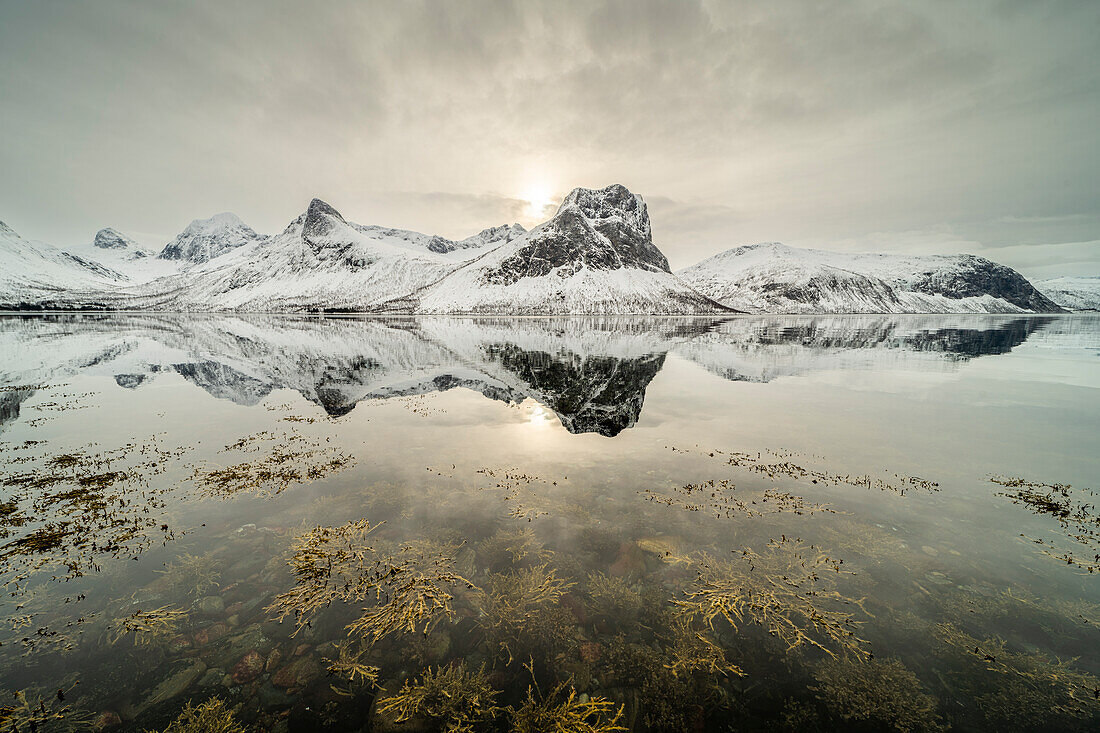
864,570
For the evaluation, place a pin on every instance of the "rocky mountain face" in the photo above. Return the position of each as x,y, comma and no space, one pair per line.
115,240
774,278
596,255
967,276
1080,293
597,230
205,239
590,394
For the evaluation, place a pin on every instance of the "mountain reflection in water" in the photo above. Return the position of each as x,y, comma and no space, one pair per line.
592,373
693,521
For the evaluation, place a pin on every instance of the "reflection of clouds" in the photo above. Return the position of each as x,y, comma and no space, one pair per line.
538,416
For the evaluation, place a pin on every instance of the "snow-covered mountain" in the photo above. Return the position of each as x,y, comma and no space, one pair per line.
596,255
319,262
775,278
1075,293
34,272
205,239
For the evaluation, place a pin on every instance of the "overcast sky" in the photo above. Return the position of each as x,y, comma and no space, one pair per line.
962,125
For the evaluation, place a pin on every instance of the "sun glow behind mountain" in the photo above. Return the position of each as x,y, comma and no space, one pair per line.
539,199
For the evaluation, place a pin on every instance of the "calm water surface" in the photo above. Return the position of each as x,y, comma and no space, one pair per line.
757,523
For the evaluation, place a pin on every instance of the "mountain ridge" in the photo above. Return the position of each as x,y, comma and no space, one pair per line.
594,256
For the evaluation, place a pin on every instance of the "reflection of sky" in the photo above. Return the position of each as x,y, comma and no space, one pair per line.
1033,412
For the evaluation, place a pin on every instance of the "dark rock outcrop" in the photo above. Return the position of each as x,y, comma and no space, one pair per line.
600,230
975,276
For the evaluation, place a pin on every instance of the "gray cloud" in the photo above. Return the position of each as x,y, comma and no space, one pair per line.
810,121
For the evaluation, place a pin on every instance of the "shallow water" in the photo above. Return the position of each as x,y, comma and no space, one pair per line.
713,524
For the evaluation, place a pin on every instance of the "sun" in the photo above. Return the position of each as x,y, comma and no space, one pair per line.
538,197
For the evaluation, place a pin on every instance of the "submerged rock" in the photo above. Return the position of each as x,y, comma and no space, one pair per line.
248,668
297,674
210,605
173,686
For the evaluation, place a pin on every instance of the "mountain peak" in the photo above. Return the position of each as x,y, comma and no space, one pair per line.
205,239
614,201
224,220
621,217
5,229
320,219
108,238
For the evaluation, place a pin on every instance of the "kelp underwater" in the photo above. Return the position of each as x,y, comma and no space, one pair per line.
277,579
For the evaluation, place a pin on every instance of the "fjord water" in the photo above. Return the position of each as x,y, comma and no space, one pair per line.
163,462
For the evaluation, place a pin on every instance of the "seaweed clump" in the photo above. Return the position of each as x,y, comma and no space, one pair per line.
24,715
876,695
521,612
191,576
455,698
786,590
510,547
563,711
680,684
294,459
350,664
148,627
612,598
212,716
408,591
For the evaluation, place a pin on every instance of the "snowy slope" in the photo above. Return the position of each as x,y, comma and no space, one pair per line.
34,272
595,256
205,239
1074,293
320,262
118,252
775,278
456,249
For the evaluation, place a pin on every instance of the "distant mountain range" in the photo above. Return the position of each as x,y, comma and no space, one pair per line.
1074,293
594,256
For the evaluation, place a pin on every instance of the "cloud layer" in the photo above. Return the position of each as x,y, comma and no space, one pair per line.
808,122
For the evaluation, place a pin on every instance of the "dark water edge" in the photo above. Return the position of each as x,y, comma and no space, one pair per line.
748,523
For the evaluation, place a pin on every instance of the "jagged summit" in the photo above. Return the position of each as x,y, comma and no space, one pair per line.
321,219
604,229
7,230
623,219
205,239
